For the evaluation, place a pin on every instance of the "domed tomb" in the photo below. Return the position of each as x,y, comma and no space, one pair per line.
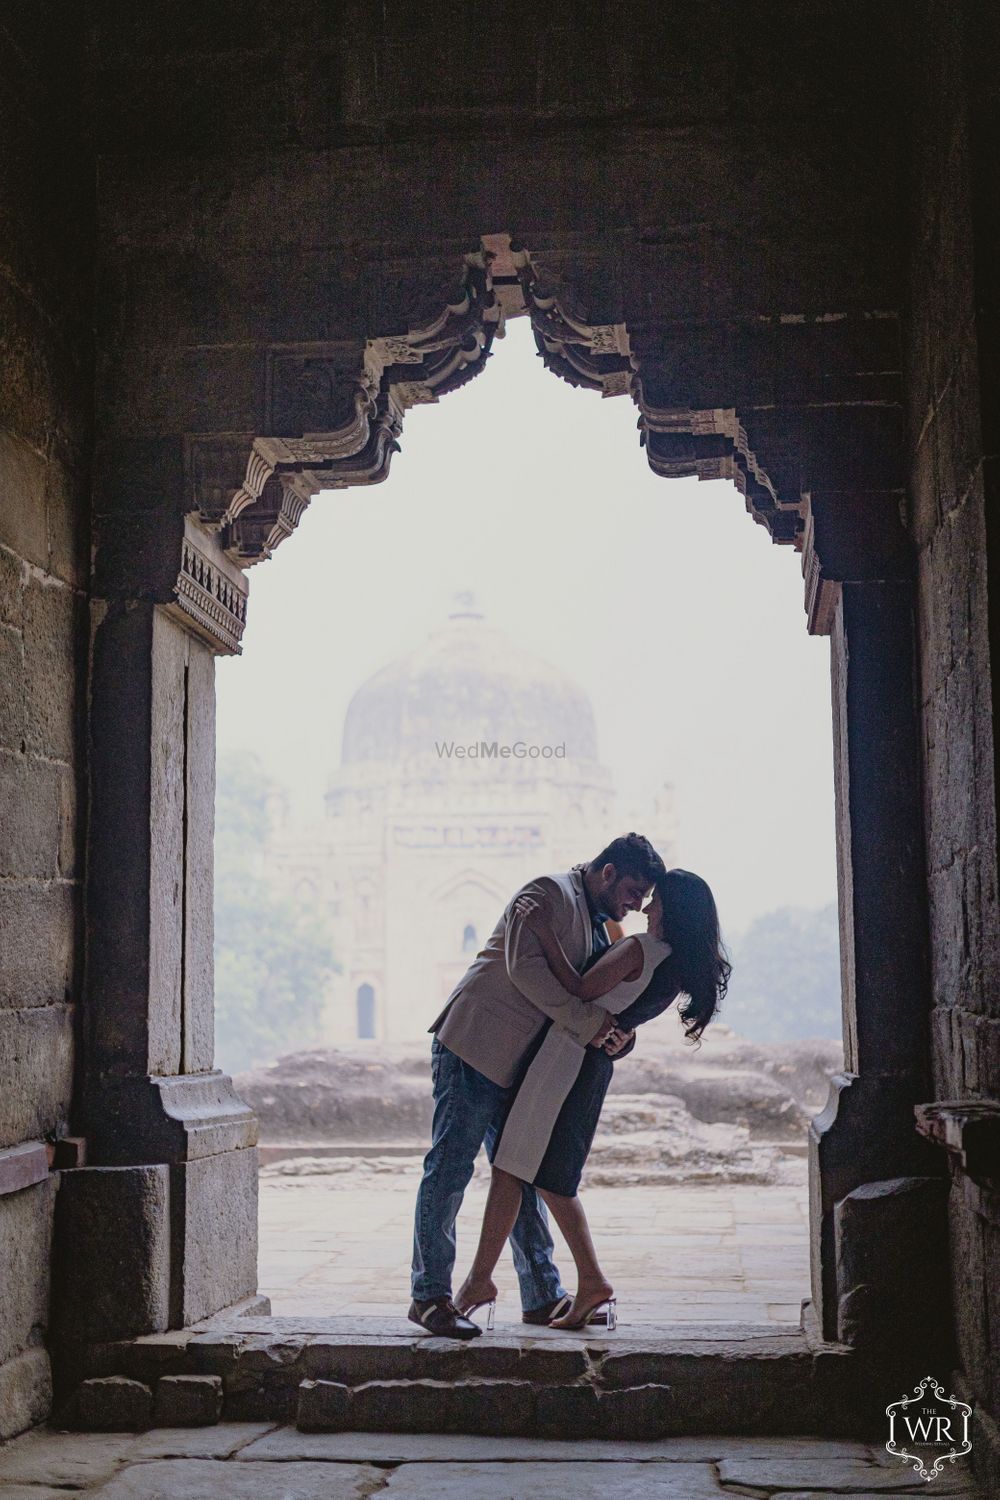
467,683
420,848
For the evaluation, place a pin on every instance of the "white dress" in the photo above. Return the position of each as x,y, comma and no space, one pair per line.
552,1072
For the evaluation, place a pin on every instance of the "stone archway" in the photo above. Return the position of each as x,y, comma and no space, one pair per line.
859,589
170,1139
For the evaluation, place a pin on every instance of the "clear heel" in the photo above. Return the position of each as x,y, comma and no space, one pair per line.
584,1317
491,1312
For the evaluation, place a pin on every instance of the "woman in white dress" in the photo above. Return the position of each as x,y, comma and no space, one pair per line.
554,1109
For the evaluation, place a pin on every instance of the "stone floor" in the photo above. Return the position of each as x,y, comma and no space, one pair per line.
728,1254
255,1461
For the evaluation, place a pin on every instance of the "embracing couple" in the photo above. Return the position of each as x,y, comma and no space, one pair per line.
521,1060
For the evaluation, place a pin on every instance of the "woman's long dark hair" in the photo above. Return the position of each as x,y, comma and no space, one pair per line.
698,964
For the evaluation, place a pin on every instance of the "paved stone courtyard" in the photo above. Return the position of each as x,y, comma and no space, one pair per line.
338,1243
256,1461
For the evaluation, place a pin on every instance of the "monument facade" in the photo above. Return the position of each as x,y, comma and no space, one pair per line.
468,765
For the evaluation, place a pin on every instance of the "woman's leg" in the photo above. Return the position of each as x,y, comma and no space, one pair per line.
592,1284
502,1208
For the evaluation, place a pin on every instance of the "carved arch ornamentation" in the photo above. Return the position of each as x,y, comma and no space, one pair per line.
335,411
679,442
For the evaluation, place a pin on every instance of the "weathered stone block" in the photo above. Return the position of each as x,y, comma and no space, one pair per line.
353,1362
113,1403
146,1358
495,1407
574,1478
197,1478
37,935
544,1362
259,1355
112,1276
53,632
562,1411
188,1401
12,699
214,1353
22,474
37,817
65,511
852,1476
218,1221
36,1063
263,1403
642,1411
323,1406
25,1391
25,1245
892,1265
12,575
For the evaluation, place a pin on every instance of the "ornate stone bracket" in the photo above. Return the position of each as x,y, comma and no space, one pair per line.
210,595
594,356
679,442
713,445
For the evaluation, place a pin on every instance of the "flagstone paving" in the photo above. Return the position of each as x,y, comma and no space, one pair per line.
255,1461
703,1253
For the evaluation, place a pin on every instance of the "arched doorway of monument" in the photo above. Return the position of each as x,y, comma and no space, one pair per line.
335,418
608,645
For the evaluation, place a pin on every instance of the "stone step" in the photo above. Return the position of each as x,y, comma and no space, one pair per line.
326,1375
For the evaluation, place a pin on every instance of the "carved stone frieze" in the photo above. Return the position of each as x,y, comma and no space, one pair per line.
210,595
334,417
713,445
595,356
678,442
218,472
328,397
335,412
253,534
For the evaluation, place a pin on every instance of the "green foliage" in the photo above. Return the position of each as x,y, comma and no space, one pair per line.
273,960
786,977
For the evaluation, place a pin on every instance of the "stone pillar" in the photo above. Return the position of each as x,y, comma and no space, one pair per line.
866,1134
169,1142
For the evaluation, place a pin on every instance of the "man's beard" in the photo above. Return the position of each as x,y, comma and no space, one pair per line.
616,907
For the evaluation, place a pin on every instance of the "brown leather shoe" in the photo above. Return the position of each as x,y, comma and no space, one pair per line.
442,1318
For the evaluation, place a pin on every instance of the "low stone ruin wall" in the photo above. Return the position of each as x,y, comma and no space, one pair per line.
731,1111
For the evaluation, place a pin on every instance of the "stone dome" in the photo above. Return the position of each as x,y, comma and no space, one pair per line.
466,683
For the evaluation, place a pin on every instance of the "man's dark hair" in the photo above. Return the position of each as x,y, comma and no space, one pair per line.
632,854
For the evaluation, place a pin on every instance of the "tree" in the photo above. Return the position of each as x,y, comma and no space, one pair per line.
273,959
786,977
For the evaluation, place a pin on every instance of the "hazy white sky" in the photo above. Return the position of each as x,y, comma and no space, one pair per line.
673,609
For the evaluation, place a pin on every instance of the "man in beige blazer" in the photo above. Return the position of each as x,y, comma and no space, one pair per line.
490,1020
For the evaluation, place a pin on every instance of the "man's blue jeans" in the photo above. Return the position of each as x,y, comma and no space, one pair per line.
467,1113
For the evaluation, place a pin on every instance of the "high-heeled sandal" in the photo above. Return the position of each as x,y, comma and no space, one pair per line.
582,1318
491,1303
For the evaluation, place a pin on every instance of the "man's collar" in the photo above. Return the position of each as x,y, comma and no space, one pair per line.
596,912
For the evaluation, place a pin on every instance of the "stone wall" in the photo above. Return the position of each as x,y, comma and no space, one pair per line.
44,403
952,394
280,183
952,390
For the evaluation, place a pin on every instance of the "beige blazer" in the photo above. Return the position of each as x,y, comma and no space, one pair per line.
500,1005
